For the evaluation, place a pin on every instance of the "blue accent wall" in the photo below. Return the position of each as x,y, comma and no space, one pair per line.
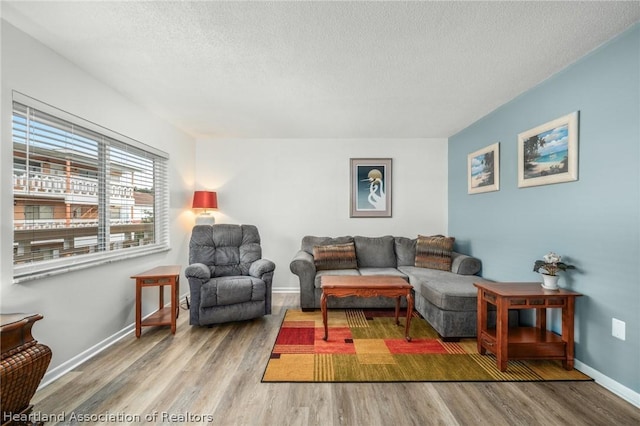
593,222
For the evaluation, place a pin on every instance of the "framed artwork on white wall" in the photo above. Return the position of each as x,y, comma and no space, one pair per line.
370,187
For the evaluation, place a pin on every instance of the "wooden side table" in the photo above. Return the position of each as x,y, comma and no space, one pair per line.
24,362
525,342
158,277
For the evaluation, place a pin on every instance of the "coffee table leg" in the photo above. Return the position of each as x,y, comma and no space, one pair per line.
398,310
409,315
323,308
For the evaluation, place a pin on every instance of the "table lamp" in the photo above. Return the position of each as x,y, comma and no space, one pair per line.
205,200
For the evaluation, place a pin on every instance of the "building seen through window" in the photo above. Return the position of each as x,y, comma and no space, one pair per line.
77,191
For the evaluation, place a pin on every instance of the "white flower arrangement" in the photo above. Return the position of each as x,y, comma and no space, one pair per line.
551,264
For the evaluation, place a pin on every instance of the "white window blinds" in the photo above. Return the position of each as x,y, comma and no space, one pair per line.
82,193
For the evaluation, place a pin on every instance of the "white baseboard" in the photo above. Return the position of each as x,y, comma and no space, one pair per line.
55,373
285,290
59,371
622,391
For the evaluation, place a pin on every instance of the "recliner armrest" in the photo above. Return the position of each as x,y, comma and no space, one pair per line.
261,267
198,270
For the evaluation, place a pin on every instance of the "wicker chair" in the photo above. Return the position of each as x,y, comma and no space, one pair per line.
24,362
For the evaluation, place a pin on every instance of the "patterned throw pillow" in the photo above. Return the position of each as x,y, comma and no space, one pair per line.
336,256
434,252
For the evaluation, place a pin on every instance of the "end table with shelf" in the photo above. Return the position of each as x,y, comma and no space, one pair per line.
165,315
525,342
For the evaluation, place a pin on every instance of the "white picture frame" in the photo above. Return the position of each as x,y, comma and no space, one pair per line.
548,153
483,170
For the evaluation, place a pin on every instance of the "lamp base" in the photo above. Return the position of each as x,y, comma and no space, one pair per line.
205,219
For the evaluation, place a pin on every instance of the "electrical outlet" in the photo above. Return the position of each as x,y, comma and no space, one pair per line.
618,328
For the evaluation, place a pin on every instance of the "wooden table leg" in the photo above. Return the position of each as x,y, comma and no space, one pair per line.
174,303
541,318
480,318
178,297
567,332
482,321
398,310
138,307
502,334
323,308
409,315
161,297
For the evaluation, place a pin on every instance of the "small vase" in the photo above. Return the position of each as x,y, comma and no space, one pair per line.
550,282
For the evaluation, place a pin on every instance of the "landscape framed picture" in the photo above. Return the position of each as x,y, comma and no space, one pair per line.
370,187
483,169
549,153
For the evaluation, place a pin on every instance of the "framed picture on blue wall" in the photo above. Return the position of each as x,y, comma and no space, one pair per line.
549,153
483,169
370,187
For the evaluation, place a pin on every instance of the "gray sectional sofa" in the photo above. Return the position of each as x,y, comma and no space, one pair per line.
446,299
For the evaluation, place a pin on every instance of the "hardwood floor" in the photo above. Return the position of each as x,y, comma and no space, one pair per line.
212,375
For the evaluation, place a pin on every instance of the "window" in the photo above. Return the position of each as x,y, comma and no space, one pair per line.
82,194
32,213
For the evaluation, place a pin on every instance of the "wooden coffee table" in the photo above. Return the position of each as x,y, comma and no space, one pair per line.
366,286
525,342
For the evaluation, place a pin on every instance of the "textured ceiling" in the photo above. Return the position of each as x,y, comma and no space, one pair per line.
321,69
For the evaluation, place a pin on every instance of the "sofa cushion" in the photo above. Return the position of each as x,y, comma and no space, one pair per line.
452,295
375,252
450,292
309,242
405,251
392,272
320,274
434,252
335,256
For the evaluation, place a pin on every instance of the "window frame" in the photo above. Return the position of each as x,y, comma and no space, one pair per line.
160,160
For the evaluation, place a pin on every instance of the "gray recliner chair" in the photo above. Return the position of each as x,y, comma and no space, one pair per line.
228,279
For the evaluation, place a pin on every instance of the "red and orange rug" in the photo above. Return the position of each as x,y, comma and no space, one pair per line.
367,346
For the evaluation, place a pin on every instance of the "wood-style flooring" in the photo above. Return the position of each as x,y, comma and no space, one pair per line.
212,376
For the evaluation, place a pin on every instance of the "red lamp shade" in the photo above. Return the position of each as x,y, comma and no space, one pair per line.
205,200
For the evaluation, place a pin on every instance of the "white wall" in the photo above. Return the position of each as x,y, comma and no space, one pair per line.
85,307
290,188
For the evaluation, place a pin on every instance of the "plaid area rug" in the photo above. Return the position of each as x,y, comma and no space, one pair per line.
367,346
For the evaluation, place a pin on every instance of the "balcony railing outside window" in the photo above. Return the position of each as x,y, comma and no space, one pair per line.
81,190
